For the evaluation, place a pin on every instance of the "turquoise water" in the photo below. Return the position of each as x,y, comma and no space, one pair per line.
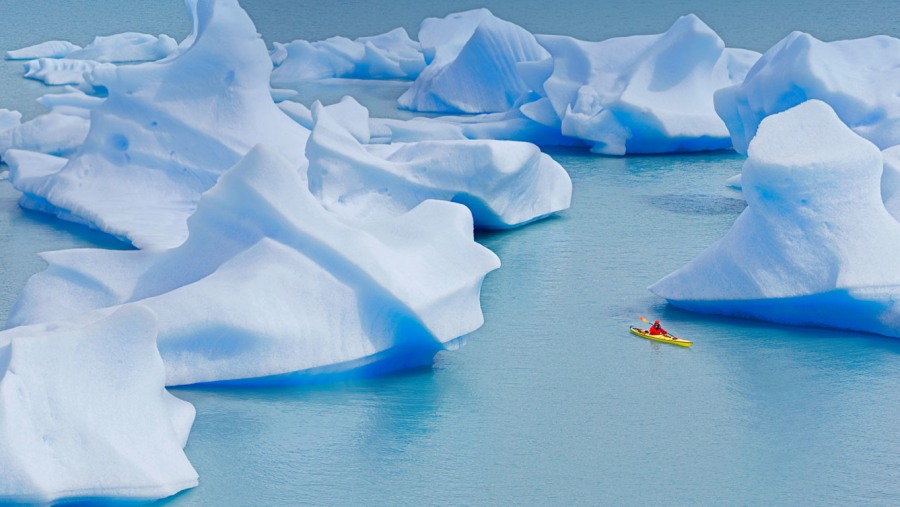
551,401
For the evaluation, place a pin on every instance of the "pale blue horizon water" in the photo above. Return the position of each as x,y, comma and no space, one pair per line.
551,402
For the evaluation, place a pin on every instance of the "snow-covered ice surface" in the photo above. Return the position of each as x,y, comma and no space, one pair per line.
166,132
84,414
269,283
504,183
858,78
813,245
391,55
472,59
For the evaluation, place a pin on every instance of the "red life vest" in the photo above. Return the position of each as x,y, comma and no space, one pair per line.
656,329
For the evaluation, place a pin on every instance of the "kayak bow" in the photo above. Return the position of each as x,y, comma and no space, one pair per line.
665,338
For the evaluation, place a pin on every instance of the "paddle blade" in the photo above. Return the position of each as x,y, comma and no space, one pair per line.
644,320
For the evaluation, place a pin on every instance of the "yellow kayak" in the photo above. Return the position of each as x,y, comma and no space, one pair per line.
665,338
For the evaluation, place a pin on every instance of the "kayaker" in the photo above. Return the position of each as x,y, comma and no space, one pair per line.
657,329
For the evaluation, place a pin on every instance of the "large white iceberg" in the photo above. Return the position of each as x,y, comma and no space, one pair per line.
269,283
166,132
472,64
857,78
84,414
391,55
637,94
505,184
815,244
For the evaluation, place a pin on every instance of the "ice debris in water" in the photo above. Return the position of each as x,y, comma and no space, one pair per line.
810,247
84,414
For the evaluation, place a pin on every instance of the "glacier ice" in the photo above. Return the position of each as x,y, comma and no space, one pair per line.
391,55
637,94
84,413
268,283
48,49
857,78
810,247
505,184
473,67
167,130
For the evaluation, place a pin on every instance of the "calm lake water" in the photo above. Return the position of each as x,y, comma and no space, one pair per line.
551,401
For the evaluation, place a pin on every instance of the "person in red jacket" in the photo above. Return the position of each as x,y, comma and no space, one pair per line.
657,329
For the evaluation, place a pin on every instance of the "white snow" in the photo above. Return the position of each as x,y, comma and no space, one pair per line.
811,246
84,413
269,283
859,79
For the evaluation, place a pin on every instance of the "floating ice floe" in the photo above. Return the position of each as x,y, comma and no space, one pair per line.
55,72
505,184
166,132
857,78
473,67
638,94
49,49
391,55
52,133
271,286
126,47
815,244
84,414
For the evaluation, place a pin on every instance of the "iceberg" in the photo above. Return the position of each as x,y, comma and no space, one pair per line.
637,94
391,55
857,78
49,49
813,245
473,67
126,47
505,184
270,286
84,415
167,131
